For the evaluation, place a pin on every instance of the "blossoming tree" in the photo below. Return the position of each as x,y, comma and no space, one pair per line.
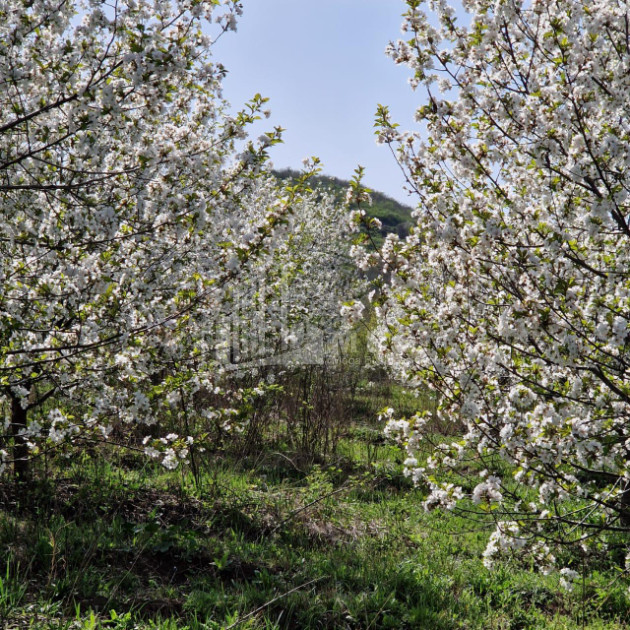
280,313
511,299
127,216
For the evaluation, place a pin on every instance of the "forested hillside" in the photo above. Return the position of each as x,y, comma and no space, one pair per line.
395,216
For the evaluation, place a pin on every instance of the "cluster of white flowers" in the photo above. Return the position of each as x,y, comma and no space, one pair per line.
444,496
169,449
488,491
511,298
568,576
131,230
505,539
353,311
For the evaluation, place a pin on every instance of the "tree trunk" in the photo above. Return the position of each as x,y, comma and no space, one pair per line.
624,504
20,449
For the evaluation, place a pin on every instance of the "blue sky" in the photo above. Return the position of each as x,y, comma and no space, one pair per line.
322,64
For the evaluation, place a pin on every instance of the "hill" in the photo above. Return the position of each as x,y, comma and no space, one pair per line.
395,216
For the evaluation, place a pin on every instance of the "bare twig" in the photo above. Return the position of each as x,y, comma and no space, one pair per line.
238,622
308,505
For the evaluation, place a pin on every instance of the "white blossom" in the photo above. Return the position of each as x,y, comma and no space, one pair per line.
510,298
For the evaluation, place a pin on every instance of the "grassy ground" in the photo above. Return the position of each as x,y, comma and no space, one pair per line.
268,542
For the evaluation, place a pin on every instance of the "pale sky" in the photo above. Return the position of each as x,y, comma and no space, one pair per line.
323,67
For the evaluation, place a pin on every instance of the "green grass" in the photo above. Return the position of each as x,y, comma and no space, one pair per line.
265,542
